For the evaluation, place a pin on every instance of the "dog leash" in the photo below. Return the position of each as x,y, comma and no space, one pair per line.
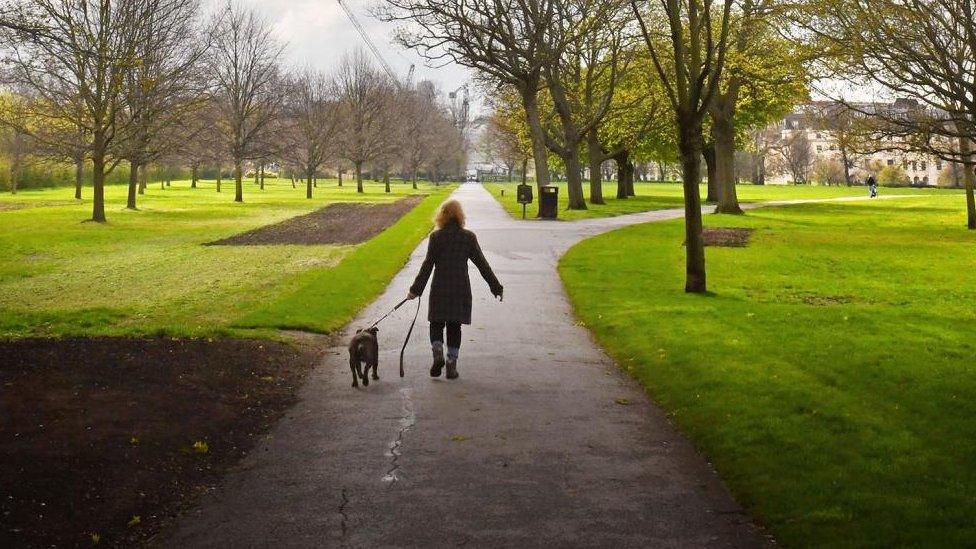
410,331
382,318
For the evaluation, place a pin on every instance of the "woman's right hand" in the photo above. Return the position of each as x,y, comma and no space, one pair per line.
411,295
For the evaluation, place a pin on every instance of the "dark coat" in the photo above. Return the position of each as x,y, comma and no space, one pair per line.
448,252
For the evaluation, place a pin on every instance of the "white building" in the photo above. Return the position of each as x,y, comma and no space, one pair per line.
814,120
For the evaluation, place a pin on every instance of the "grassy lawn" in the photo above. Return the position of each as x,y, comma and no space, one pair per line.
830,377
659,196
146,272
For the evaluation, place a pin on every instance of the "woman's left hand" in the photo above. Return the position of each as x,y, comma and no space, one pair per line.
411,295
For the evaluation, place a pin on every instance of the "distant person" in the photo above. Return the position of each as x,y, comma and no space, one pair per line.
448,251
872,187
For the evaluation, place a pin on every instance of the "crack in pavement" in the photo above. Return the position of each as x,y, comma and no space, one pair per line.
342,512
407,420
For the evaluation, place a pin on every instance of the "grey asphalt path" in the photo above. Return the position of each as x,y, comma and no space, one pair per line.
528,448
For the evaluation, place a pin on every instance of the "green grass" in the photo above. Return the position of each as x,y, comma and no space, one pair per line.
147,272
830,376
659,196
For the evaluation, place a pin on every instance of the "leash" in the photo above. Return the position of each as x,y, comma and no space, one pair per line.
382,318
410,331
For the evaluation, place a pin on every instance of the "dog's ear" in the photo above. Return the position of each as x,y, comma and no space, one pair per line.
359,330
374,329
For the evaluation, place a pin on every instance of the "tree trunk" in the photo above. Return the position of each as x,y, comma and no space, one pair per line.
414,179
133,185
708,151
595,154
359,177
574,180
690,146
339,171
79,176
847,166
14,171
194,176
629,179
143,180
539,152
386,179
968,177
98,184
623,162
660,171
238,181
256,177
723,136
219,173
262,176
308,184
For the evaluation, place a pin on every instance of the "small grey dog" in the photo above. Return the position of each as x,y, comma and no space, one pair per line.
364,348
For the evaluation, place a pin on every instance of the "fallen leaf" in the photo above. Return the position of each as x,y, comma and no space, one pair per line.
622,401
134,521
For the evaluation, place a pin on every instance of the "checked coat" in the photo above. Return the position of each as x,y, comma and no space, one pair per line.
448,252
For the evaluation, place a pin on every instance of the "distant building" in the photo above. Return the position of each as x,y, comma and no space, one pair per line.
824,131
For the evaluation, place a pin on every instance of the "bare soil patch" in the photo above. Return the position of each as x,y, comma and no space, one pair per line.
726,237
4,206
104,440
342,223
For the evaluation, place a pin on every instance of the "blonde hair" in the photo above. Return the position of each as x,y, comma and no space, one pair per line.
449,211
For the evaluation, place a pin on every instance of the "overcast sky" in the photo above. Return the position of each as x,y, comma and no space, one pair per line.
318,33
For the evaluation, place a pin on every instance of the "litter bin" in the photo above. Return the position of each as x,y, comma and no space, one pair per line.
548,201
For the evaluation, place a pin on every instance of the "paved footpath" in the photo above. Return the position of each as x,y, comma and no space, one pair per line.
528,448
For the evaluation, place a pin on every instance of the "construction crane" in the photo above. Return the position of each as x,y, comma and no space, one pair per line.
372,46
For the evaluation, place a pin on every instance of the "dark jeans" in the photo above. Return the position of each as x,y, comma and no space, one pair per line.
453,333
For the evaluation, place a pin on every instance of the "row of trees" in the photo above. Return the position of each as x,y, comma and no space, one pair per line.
576,81
142,82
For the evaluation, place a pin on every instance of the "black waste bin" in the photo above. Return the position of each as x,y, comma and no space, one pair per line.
549,201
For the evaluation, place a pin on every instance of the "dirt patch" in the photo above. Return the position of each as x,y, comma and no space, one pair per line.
826,300
726,237
342,223
5,206
104,440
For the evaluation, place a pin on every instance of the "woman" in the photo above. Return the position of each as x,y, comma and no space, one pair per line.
448,251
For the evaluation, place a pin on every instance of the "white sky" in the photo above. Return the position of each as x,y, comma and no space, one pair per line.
318,33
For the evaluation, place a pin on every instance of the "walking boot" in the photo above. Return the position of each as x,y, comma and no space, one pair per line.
452,368
435,369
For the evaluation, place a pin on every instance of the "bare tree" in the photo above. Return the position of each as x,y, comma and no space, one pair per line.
310,123
365,98
164,88
419,115
505,41
689,63
243,60
75,56
797,156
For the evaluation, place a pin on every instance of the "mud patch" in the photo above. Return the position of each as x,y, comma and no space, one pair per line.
726,237
343,223
6,206
104,440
